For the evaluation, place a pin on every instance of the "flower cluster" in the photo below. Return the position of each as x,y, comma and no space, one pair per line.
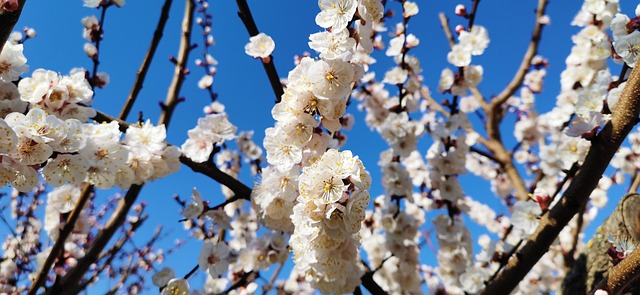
331,207
262,252
391,241
214,129
472,42
67,97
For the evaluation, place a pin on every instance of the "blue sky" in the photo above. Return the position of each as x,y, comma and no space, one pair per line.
243,87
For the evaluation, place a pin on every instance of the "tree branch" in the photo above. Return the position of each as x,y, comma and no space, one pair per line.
146,63
7,21
370,284
604,146
70,282
245,15
494,108
173,93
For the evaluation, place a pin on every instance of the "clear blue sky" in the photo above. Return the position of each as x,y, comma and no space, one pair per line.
244,89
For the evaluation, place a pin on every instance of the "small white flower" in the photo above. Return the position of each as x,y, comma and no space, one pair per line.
410,9
205,82
161,278
396,76
92,3
194,210
335,14
176,286
214,258
460,56
628,47
525,216
475,41
12,62
260,46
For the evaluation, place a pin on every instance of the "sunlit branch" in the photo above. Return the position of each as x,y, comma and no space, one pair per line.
180,71
62,237
494,109
635,182
247,19
622,275
496,103
146,63
7,21
603,148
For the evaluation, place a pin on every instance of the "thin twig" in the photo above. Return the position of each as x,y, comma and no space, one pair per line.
484,154
96,58
273,278
191,272
173,93
247,19
444,23
515,83
62,237
146,63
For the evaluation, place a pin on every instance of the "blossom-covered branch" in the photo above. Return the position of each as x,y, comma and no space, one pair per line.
62,237
205,168
495,111
603,148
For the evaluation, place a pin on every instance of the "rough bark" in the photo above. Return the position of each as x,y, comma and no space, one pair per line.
594,263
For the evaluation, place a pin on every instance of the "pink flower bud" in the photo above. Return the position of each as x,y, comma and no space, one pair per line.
461,10
10,5
459,28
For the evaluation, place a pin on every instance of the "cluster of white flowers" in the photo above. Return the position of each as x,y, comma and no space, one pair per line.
262,252
55,138
470,43
67,97
213,129
391,240
327,201
446,159
275,197
455,256
331,207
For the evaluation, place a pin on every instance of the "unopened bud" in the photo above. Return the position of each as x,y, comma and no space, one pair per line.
461,10
30,32
90,50
459,28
